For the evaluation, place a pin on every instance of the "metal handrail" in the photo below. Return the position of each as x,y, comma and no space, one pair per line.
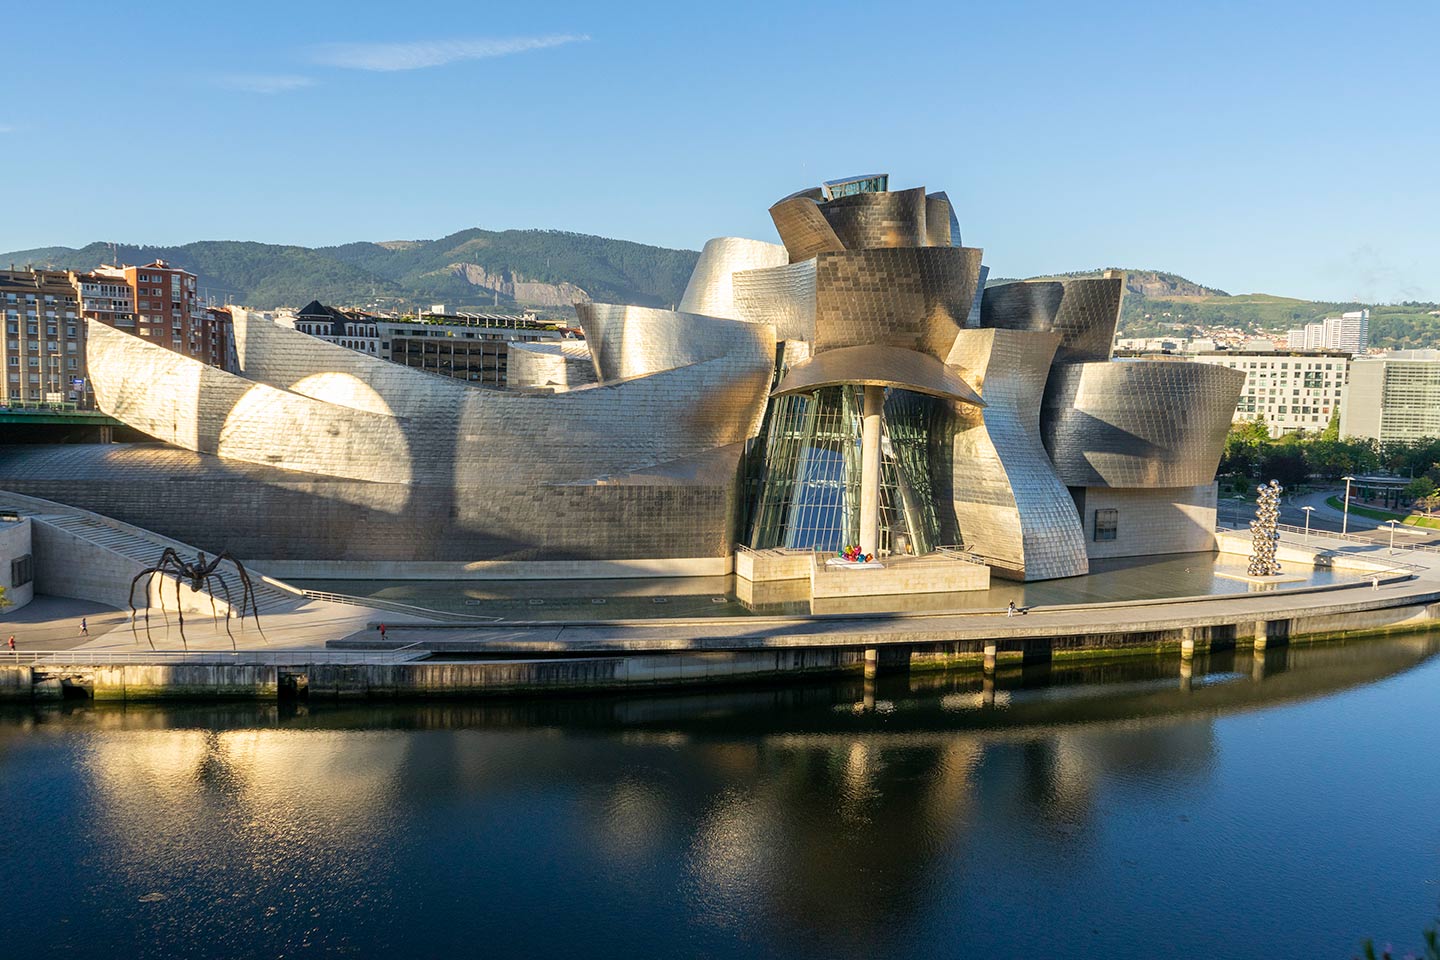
1316,533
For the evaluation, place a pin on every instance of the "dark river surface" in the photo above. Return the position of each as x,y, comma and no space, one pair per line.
1286,807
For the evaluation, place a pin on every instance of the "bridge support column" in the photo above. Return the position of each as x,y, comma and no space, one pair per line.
1187,643
991,651
1262,634
872,662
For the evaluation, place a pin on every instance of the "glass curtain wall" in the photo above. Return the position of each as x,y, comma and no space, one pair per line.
807,493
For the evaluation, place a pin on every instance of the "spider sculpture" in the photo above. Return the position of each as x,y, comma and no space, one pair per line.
196,574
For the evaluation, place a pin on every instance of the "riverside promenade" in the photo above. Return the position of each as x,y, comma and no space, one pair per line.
1385,591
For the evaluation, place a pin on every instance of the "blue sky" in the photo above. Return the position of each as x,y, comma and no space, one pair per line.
1282,147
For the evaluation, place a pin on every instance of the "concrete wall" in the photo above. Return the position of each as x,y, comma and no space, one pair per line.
15,543
67,565
1175,520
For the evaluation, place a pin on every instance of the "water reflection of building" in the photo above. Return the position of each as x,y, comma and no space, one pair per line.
785,810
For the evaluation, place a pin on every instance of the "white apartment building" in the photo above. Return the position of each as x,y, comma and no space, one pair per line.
1293,390
1348,333
1395,397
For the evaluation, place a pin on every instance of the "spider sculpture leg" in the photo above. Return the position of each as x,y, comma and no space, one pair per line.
147,572
180,614
248,596
230,600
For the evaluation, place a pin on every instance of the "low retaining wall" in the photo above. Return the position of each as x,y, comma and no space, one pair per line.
619,671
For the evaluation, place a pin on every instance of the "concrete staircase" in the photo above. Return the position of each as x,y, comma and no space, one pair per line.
86,555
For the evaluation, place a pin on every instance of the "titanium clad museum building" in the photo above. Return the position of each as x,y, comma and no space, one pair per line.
856,383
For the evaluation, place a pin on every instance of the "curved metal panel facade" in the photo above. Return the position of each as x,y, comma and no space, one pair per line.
1022,305
917,298
933,210
781,296
877,366
549,364
803,228
628,341
1089,311
865,221
1138,423
709,291
1008,504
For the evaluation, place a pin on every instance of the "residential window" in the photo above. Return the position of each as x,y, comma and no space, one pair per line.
1107,524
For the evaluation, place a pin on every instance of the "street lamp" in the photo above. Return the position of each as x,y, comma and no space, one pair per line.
1392,533
1308,511
1345,522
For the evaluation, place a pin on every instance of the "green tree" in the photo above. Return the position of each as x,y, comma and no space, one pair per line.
1419,489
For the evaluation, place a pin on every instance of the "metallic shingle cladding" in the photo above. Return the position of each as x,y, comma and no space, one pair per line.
554,364
451,432
781,296
628,341
1089,311
803,228
1138,423
337,455
865,221
709,291
876,365
915,297
934,211
1008,504
1083,311
1023,305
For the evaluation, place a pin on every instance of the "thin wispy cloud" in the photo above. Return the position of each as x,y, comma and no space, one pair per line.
267,83
6,128
431,53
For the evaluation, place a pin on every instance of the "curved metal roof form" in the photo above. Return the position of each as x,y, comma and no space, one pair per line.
875,365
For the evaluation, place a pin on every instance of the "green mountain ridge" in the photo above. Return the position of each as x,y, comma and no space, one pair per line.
471,269
479,269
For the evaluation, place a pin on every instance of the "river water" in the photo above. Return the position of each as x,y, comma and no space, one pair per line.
1286,807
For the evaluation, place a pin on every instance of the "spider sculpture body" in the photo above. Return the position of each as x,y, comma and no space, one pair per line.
195,574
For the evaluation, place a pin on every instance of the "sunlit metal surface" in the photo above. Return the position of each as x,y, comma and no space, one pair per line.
1008,504
913,297
803,228
1138,423
709,291
877,365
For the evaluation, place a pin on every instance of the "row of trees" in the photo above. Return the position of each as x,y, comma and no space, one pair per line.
1297,458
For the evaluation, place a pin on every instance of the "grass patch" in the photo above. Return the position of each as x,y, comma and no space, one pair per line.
1409,519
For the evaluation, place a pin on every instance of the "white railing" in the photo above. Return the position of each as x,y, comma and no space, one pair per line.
94,658
394,606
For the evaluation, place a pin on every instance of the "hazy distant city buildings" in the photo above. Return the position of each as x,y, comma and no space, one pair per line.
1349,332
473,347
1395,397
1292,390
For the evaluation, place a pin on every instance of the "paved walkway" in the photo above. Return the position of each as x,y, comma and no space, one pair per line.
53,623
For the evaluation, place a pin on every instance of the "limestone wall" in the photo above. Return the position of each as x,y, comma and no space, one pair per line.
15,543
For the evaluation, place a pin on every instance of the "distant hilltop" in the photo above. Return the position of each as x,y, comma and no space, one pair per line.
472,269
548,270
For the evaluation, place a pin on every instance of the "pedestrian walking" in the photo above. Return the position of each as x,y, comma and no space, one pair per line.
12,643
382,631
1010,610
1375,583
84,627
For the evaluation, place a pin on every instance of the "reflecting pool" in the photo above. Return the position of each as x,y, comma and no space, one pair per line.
1284,806
1126,578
